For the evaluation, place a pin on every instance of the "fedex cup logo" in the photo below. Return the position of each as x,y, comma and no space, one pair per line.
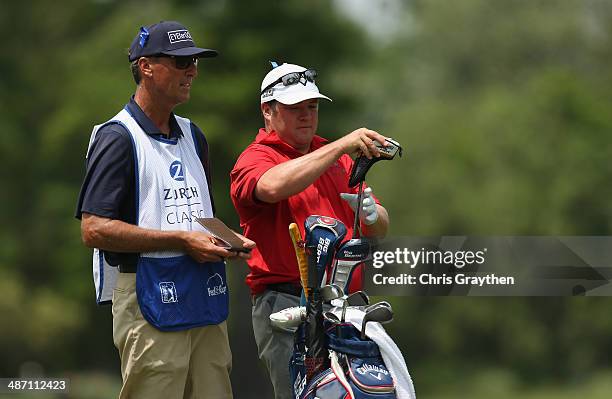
176,171
215,285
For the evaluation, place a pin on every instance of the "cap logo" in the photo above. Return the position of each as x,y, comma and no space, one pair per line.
144,36
181,35
268,93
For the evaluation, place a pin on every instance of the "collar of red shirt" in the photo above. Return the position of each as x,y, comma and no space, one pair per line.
273,140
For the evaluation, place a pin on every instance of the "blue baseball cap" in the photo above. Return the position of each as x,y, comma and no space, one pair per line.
166,37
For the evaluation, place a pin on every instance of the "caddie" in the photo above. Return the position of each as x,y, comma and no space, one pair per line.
147,180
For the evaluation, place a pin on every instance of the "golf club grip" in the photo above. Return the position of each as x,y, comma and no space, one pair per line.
300,254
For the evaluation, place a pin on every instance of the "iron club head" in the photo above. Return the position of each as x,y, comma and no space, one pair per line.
381,314
358,298
331,292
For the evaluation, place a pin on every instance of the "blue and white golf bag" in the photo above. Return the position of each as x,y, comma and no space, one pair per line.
356,368
343,365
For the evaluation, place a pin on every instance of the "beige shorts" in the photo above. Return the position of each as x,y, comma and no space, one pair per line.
194,363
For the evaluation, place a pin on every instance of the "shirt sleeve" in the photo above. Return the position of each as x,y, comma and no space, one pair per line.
109,175
251,165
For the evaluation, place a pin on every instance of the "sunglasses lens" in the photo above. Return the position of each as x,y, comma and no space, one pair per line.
310,75
185,62
291,79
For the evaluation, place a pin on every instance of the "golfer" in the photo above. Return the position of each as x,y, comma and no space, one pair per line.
286,174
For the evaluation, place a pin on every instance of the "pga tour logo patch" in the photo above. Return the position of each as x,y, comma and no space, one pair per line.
168,292
181,35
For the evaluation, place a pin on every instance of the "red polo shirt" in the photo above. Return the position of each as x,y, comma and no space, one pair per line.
274,260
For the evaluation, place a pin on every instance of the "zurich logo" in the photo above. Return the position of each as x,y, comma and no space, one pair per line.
176,171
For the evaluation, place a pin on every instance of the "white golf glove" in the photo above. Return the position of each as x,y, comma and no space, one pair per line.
369,212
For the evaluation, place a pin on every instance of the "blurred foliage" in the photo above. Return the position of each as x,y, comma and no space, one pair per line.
503,111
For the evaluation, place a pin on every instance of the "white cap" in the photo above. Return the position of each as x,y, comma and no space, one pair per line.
291,94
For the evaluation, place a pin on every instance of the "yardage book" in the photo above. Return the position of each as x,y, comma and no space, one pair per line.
226,237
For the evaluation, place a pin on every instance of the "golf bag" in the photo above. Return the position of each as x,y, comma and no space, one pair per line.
358,369
331,360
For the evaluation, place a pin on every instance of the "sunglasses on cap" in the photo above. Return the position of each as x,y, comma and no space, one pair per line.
181,62
294,78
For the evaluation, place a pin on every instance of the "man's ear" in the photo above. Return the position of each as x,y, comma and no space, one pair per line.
145,67
266,111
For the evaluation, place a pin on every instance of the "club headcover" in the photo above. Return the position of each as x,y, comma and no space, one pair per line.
348,256
355,249
362,164
323,235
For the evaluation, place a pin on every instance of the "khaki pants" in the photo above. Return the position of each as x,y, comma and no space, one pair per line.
193,363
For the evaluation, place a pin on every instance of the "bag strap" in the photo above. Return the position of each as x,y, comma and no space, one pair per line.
339,373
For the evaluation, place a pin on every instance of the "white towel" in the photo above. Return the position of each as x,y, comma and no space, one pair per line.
392,356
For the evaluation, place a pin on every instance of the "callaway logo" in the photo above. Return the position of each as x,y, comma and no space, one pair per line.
215,285
371,369
322,246
181,35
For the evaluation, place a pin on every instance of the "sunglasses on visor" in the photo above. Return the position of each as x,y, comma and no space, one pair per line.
294,78
181,62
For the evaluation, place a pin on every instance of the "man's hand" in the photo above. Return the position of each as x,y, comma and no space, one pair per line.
361,140
249,244
202,248
368,214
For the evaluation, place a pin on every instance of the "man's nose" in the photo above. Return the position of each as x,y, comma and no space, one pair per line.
192,71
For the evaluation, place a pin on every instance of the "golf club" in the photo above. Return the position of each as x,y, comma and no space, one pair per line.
331,316
330,292
360,169
358,298
378,304
380,314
